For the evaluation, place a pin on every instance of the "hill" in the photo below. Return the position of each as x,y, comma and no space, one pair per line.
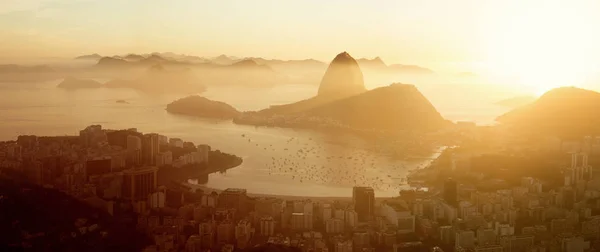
202,107
397,106
94,56
565,111
74,83
375,63
342,79
111,62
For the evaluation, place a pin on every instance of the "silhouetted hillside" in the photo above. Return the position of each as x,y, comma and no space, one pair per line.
111,62
199,106
375,63
565,111
74,83
395,107
342,79
249,64
94,56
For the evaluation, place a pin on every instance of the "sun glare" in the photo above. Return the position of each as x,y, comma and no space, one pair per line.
541,46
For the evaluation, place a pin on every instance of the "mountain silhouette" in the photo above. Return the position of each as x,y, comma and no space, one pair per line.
222,60
133,57
342,79
94,56
397,106
565,111
375,63
74,83
111,62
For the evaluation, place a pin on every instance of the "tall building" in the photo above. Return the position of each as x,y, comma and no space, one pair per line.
579,170
207,231
134,150
193,244
364,202
267,226
92,136
568,197
360,241
334,226
234,198
150,147
243,234
465,239
202,153
138,183
297,221
451,192
343,246
225,232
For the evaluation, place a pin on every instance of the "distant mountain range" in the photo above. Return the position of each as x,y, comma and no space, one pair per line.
565,111
377,64
342,97
224,60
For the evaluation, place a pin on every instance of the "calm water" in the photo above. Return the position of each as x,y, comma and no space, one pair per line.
276,161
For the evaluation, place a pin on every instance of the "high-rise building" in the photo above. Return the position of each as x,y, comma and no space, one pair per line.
134,150
193,244
364,202
138,183
225,232
297,221
92,136
207,233
451,192
234,198
465,239
334,226
243,233
360,241
343,246
150,147
267,226
202,152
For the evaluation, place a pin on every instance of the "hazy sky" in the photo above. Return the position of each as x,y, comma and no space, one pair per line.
480,33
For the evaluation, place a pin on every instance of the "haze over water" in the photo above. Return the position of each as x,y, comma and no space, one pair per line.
42,109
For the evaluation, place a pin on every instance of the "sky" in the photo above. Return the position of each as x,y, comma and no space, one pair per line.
498,37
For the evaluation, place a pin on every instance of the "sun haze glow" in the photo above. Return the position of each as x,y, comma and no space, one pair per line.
542,44
534,44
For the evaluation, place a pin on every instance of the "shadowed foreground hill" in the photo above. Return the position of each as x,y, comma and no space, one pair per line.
398,106
565,111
